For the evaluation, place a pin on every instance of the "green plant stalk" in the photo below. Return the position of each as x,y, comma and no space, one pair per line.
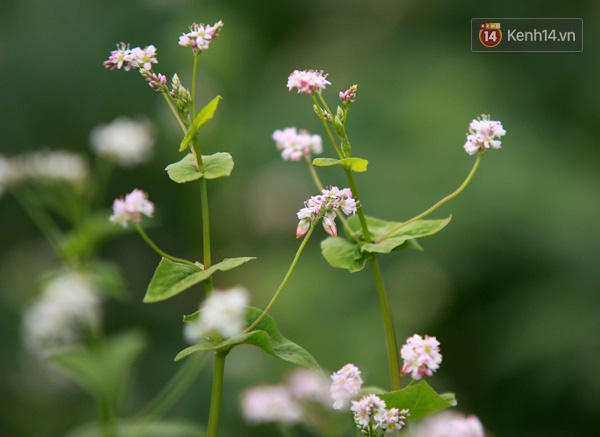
388,322
194,71
285,280
174,111
438,204
329,133
162,253
217,394
106,414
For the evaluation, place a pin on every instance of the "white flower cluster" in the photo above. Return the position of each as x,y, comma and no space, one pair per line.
285,402
200,36
484,134
131,208
127,142
307,81
295,144
43,166
345,385
68,304
421,356
223,313
370,413
126,58
325,206
449,424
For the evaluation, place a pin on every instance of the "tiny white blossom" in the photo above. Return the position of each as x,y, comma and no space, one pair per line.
370,413
200,36
296,144
448,424
307,81
223,312
262,404
345,384
127,142
421,356
324,206
127,58
131,208
483,134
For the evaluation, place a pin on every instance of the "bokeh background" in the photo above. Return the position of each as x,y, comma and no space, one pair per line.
510,287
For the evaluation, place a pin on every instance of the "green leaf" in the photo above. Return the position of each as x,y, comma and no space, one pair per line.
171,278
379,228
104,369
203,116
265,336
355,164
142,428
214,166
342,254
420,399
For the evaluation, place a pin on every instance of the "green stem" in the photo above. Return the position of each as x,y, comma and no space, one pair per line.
360,210
285,279
208,284
329,133
174,111
217,393
106,415
194,71
438,204
162,253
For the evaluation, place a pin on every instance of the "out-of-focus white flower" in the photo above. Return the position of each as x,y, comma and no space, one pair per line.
307,81
295,144
308,386
272,403
200,36
421,356
125,141
370,413
324,206
50,166
127,58
68,304
345,384
223,312
448,424
131,208
483,134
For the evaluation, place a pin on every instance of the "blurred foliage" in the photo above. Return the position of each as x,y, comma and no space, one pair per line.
510,288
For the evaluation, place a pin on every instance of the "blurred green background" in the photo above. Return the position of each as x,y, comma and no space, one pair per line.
510,287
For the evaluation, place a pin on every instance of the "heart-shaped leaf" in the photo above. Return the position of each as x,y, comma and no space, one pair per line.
343,254
203,116
265,336
355,164
420,399
171,278
214,166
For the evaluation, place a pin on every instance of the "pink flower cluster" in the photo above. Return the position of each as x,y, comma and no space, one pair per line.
294,144
349,96
127,58
325,206
131,208
200,36
421,356
346,384
307,81
483,134
370,413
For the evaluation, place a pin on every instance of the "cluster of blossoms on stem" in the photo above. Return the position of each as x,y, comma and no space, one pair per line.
285,403
156,81
126,58
200,36
181,95
349,96
449,424
131,208
307,81
325,206
370,414
295,144
483,134
68,304
222,313
345,385
125,141
421,356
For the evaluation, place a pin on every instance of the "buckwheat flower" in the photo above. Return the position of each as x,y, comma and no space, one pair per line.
308,386
68,304
365,408
131,208
345,384
449,424
483,134
307,81
324,206
263,404
391,420
223,313
349,96
120,58
421,356
296,144
200,36
125,141
143,58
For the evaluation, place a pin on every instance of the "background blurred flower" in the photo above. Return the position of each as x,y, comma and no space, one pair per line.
448,424
270,403
126,141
